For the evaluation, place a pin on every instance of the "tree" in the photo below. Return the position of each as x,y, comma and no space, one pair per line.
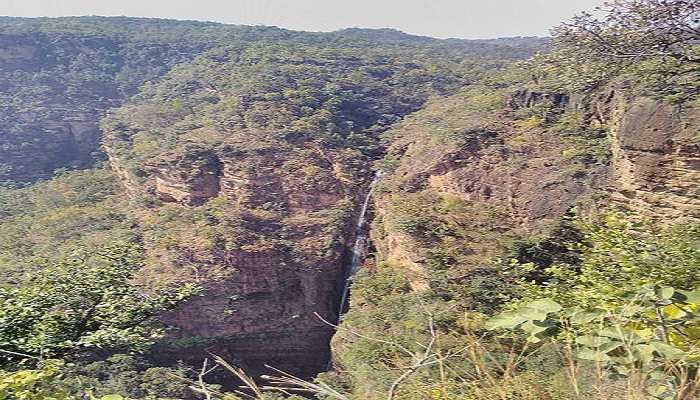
613,256
654,42
636,30
33,384
84,303
627,304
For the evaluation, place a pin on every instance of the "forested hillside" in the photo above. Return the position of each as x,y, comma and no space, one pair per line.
58,76
183,204
536,234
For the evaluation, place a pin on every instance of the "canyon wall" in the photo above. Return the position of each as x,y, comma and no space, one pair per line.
494,177
41,128
656,158
271,258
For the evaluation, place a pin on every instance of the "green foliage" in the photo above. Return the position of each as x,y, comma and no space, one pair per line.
484,98
85,303
624,302
569,122
411,214
621,323
619,255
530,122
125,375
118,377
33,384
342,95
616,293
388,327
45,222
391,313
64,72
653,42
652,337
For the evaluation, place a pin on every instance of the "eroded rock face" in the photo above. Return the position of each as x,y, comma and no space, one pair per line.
526,98
655,150
534,176
283,220
21,51
55,89
262,313
42,132
45,146
187,180
502,180
656,158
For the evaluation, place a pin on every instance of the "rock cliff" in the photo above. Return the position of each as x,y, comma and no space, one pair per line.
249,167
490,177
41,128
656,158
269,258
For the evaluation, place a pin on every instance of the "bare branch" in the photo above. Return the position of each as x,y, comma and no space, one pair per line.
14,353
424,360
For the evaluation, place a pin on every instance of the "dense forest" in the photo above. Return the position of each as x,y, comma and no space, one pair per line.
58,76
179,206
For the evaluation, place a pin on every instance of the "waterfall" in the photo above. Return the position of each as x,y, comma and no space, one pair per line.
358,249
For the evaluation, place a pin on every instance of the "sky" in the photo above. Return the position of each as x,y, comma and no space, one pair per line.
470,19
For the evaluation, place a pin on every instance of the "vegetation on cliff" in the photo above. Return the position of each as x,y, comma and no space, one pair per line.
73,311
535,228
59,75
595,306
47,221
225,160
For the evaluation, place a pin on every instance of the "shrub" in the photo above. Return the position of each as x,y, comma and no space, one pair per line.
84,303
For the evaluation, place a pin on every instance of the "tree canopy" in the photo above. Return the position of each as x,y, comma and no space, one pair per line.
654,42
84,303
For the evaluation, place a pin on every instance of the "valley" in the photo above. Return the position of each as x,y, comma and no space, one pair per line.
173,191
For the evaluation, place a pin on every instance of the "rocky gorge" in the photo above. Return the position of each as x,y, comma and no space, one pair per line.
269,167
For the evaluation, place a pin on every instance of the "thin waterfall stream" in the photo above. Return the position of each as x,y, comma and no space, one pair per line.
359,247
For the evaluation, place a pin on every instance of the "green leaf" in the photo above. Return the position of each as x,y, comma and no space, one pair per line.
112,397
631,310
619,333
668,351
608,347
665,292
592,341
688,297
657,390
643,353
537,310
592,355
535,327
536,338
506,320
657,375
570,311
545,305
583,317
532,314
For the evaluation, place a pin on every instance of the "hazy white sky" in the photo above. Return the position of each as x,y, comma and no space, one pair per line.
438,18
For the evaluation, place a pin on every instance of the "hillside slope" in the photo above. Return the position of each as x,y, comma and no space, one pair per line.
250,162
490,179
243,152
230,163
59,75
